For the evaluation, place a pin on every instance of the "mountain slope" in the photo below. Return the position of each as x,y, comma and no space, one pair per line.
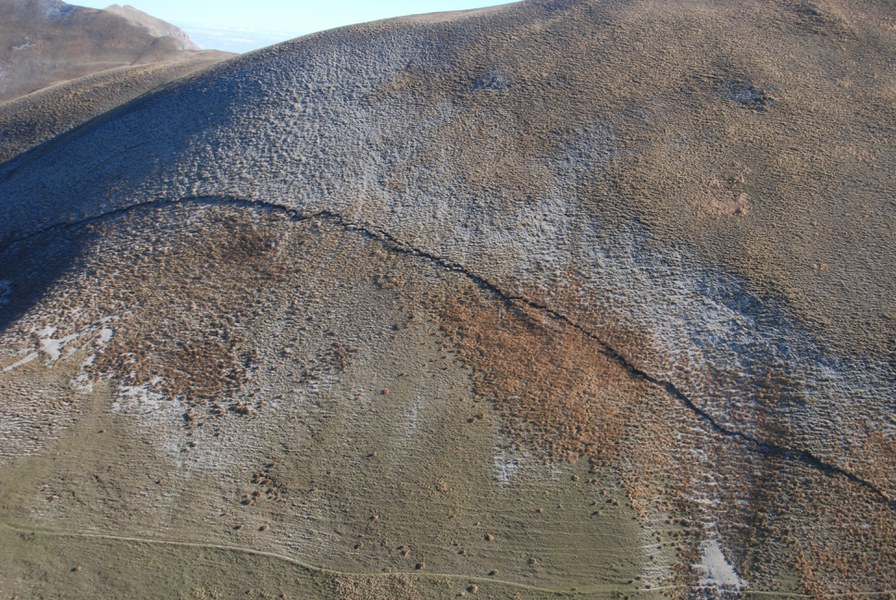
43,42
156,27
39,116
576,297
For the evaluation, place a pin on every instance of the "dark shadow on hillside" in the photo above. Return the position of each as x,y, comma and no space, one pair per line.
30,268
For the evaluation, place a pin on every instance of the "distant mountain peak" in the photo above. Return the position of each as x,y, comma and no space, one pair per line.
48,41
156,27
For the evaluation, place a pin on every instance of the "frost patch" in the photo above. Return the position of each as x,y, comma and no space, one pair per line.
492,81
82,382
153,409
719,574
505,466
141,399
410,416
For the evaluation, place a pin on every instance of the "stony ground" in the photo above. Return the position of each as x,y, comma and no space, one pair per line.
554,299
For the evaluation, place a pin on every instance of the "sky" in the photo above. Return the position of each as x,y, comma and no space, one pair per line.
243,25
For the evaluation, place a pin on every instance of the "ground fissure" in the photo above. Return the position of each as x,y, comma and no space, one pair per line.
394,244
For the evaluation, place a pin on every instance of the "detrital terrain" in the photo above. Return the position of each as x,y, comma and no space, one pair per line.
561,298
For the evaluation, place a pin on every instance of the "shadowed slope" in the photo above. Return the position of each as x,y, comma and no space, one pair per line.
42,115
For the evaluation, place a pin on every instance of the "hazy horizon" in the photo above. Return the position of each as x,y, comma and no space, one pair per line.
242,27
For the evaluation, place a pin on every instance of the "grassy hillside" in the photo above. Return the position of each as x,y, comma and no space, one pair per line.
575,298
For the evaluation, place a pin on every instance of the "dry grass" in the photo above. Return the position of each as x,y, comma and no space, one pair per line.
190,302
552,385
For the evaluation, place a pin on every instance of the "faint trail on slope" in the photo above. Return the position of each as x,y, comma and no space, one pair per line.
395,244
317,569
592,589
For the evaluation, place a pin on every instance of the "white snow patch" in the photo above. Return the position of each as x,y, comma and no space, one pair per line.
18,364
718,572
106,334
47,331
24,45
82,384
51,346
55,9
